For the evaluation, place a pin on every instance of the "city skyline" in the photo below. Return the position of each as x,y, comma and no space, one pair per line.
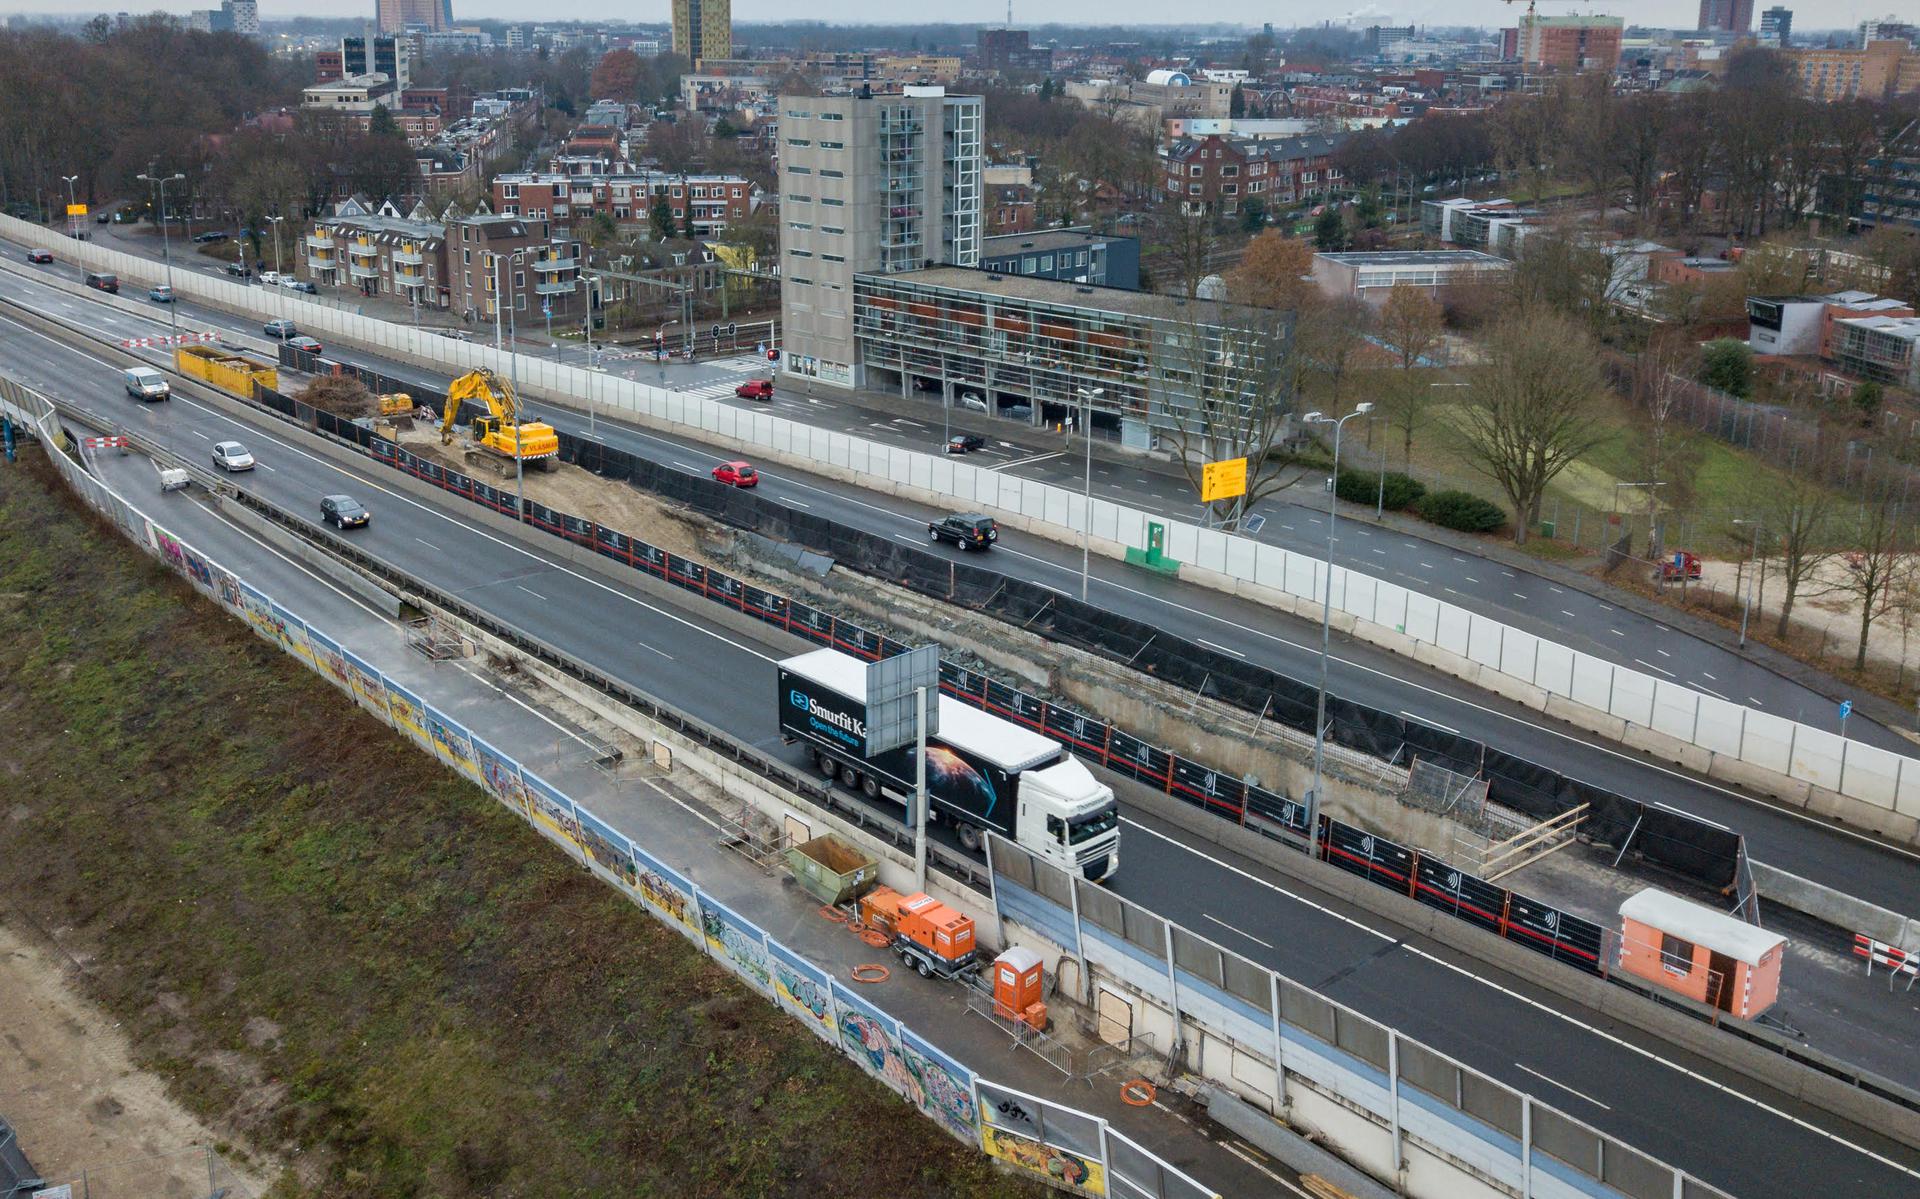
1492,14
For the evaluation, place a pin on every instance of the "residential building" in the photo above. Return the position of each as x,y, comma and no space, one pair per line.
243,16
1887,29
869,183
380,255
444,42
1075,255
1372,276
1008,50
1045,348
1725,16
703,29
1891,196
1776,28
356,95
1574,43
1216,174
328,66
1880,348
711,201
531,269
1882,70
1150,101
1378,38
396,16
1011,208
613,114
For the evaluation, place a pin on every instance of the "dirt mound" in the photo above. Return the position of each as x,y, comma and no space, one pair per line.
586,495
342,395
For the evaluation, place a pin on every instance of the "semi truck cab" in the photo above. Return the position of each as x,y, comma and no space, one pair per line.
1069,818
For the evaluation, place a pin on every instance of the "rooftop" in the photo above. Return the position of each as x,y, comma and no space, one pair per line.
1059,292
1042,239
398,226
1416,258
1702,925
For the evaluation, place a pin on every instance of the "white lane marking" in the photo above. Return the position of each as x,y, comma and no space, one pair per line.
1423,720
1563,612
1234,1149
1563,1086
1469,579
1381,552
1754,700
1663,653
436,549
1651,666
1243,932
204,437
661,652
1458,558
1663,628
1223,649
684,466
1555,590
1516,595
535,594
1616,632
1342,917
804,504
1703,674
1713,693
1702,819
1606,608
263,466
1423,566
1029,461
909,541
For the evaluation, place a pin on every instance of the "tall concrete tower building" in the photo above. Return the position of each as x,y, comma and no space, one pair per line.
703,29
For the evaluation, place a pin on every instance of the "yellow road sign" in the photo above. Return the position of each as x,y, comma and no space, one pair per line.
76,210
1223,480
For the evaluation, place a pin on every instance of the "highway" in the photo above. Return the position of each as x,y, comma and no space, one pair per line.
1296,520
1814,849
1673,1105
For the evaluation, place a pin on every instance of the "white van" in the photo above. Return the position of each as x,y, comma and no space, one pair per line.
145,383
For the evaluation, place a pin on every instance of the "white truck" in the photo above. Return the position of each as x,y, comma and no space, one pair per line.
982,772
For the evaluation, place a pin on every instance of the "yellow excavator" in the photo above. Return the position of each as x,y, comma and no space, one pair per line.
499,437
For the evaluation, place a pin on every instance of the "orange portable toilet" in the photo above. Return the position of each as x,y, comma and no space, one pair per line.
1700,952
1017,982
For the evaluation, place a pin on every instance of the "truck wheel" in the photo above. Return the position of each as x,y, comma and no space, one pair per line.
869,786
925,969
828,766
850,777
969,836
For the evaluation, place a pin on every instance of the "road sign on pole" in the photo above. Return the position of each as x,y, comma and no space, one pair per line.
1223,480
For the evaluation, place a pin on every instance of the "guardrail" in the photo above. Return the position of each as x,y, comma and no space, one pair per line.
1793,761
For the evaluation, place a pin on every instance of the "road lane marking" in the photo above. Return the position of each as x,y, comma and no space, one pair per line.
1663,653
530,591
1028,461
1705,675
1223,649
1651,666
430,545
1423,720
1563,1086
1243,932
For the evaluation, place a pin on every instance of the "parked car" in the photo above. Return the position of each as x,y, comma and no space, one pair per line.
145,383
970,401
305,345
41,256
755,389
965,443
209,237
231,455
736,474
300,285
239,270
1019,412
272,278
162,294
280,328
344,511
968,530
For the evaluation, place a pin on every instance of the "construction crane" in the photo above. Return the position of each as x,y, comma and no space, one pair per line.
498,437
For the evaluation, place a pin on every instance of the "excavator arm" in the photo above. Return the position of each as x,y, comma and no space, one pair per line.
488,388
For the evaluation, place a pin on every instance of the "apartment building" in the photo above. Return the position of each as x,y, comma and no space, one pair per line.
1216,175
713,201
1075,255
513,268
870,183
1575,43
1879,71
395,16
1891,197
703,29
1725,16
380,255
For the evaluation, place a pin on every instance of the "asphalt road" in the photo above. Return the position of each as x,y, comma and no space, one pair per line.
1673,1105
1814,849
1296,520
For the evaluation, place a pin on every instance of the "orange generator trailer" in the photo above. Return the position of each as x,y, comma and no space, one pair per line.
929,936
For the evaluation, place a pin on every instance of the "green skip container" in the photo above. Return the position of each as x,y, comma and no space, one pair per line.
831,870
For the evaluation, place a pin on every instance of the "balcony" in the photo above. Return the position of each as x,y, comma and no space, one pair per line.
554,264
357,251
319,241
557,287
318,265
408,256
363,270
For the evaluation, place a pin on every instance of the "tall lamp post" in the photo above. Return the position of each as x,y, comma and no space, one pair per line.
1326,611
73,219
592,284
1086,515
275,221
166,242
1753,568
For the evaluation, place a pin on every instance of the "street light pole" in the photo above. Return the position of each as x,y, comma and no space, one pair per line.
588,282
73,219
1753,568
166,244
275,221
519,416
1086,514
1326,610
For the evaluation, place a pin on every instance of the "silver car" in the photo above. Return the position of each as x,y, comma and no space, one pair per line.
231,455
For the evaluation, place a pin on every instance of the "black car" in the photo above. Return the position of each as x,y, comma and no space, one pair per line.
965,443
968,530
209,237
239,270
344,511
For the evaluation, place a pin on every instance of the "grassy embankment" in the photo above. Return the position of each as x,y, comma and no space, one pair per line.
330,945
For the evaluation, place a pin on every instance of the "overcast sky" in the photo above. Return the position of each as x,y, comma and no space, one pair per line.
1678,14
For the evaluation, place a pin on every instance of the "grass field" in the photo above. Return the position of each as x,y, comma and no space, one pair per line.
356,961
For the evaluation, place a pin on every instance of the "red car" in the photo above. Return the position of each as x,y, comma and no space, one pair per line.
736,474
755,389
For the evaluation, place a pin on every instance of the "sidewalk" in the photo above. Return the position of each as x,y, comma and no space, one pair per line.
667,813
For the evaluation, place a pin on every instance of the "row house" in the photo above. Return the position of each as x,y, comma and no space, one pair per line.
712,201
500,265
1214,174
380,255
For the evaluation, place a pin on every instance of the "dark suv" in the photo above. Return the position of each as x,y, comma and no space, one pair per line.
968,530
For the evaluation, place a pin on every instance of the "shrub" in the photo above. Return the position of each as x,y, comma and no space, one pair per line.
1460,510
1727,363
1365,487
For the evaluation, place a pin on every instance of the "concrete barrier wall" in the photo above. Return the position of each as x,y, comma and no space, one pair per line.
1861,784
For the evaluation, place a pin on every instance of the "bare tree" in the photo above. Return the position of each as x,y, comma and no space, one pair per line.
1412,323
1327,337
1533,409
1882,552
1799,510
1191,239
1224,383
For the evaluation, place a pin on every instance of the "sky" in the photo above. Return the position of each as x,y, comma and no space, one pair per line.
1677,14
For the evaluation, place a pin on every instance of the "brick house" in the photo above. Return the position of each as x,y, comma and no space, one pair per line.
715,201
1215,173
379,253
534,267
1010,209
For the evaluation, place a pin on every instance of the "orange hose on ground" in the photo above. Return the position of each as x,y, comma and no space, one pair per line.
870,973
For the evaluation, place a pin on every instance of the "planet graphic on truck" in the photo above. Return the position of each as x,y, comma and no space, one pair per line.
954,779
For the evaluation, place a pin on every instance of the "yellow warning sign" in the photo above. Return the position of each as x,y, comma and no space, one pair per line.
1223,480
76,210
